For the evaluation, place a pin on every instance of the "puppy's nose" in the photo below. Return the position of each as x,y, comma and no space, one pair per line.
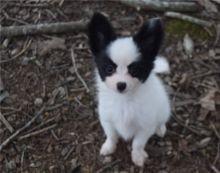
121,86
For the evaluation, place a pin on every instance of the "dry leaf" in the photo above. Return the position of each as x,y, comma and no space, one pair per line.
54,43
208,102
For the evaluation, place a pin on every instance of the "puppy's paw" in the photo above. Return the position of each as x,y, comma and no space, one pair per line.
139,157
107,148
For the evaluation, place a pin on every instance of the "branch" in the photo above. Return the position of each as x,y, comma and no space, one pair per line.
28,124
61,27
186,6
189,19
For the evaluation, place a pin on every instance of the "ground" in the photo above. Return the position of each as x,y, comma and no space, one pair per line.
38,70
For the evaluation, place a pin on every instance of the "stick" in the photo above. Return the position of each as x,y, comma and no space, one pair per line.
6,123
21,129
108,166
61,27
188,18
185,6
20,53
76,71
37,132
187,127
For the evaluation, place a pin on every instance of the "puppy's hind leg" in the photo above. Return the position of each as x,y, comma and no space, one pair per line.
161,130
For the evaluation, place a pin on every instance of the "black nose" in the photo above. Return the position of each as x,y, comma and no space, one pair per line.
121,86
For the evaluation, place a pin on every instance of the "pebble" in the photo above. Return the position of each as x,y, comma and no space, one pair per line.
25,61
11,165
107,159
38,101
62,92
5,43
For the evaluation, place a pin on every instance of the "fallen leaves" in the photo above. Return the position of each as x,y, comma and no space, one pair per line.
208,101
54,43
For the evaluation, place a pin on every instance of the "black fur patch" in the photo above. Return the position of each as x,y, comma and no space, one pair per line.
105,65
100,34
148,40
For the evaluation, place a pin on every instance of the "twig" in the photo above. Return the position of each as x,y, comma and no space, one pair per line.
54,135
108,166
28,124
6,123
28,5
43,123
217,155
205,74
37,132
13,19
76,71
19,54
189,19
69,152
59,27
216,1
215,130
187,127
162,5
215,169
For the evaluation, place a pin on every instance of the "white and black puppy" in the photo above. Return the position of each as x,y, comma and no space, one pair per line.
132,101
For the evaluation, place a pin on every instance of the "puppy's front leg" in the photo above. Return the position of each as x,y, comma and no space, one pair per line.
138,153
109,146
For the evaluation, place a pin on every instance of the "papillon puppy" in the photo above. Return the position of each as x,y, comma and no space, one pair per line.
132,101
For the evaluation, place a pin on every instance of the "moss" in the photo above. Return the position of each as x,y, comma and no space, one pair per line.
179,28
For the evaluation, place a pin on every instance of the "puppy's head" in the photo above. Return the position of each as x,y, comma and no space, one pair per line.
124,63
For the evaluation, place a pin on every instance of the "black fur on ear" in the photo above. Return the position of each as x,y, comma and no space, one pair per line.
149,38
100,33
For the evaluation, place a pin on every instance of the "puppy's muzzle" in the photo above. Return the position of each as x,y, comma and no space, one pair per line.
121,86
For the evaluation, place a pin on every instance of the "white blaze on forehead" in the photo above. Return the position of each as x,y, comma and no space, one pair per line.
123,51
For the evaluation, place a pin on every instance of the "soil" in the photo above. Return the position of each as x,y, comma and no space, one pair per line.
43,74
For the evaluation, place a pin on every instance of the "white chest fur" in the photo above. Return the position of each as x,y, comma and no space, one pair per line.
130,113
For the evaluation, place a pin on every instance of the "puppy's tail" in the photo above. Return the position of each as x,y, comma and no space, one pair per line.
161,65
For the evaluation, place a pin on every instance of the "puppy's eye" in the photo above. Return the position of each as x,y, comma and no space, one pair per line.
110,69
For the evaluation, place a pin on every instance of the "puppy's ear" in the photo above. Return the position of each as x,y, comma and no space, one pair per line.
100,33
149,38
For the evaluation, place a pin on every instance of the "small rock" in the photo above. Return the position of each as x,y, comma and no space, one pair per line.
73,163
107,159
64,151
5,43
188,45
62,92
11,165
70,78
212,53
71,70
25,61
38,101
204,142
14,51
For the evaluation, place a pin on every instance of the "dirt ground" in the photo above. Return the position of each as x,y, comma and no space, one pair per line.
38,70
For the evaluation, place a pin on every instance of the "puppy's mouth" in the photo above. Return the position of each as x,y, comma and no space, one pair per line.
121,92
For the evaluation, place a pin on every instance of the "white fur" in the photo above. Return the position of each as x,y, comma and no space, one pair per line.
136,114
161,65
123,52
